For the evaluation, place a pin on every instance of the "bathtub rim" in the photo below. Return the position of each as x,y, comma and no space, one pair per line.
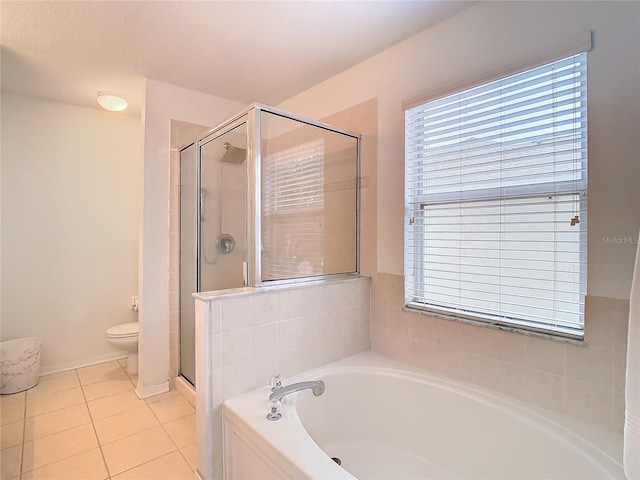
602,445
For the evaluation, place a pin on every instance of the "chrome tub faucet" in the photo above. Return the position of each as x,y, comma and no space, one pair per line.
317,386
278,392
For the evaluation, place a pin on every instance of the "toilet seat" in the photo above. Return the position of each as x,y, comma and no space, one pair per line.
123,330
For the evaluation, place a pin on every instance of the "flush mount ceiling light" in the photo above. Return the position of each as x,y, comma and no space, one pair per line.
111,101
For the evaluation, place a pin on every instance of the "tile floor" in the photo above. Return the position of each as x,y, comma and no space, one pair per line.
88,424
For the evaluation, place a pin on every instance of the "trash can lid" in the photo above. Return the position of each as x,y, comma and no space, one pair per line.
17,343
29,346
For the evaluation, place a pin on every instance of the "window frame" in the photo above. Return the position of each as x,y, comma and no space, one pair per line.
415,270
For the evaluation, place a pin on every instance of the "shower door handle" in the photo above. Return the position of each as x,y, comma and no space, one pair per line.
245,273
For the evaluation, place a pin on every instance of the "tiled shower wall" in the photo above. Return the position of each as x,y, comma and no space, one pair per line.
585,382
255,333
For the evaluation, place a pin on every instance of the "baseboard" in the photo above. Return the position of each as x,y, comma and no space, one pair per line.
186,390
63,367
150,390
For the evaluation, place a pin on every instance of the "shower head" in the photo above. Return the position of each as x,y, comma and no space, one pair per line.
233,154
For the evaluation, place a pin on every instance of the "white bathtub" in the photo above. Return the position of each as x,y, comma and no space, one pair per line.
387,420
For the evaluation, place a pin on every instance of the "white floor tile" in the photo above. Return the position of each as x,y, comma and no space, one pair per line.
10,460
54,430
50,402
58,446
56,421
169,467
124,424
101,372
12,410
182,431
88,465
55,383
107,388
136,449
114,404
172,409
11,434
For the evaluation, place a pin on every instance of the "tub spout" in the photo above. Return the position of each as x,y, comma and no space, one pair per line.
317,386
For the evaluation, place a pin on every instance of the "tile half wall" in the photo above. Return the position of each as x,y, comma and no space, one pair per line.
245,336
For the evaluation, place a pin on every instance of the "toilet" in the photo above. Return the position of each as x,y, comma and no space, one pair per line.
125,337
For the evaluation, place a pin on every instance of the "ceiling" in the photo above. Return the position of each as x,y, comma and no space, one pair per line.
264,51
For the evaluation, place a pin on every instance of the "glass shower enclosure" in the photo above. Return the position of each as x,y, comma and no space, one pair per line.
266,197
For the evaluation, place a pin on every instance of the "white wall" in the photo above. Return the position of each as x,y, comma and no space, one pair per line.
162,103
489,38
71,195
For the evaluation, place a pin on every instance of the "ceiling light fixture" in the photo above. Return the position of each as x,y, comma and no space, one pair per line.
112,102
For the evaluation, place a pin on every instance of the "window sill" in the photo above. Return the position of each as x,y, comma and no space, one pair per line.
495,326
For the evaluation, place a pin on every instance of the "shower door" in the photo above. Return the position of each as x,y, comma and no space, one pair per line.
188,259
213,219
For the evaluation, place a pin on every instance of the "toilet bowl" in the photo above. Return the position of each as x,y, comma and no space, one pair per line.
125,337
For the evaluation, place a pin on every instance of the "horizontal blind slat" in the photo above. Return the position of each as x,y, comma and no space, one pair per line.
293,212
495,184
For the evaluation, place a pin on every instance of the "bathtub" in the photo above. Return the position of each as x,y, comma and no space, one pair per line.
387,420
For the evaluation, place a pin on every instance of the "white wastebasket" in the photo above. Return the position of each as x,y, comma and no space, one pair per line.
19,364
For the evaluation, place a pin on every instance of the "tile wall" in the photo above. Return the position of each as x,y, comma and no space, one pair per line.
286,331
256,333
586,382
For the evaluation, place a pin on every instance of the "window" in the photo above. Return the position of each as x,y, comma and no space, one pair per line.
496,219
293,212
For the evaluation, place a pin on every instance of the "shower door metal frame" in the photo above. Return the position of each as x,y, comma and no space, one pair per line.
256,230
210,136
252,117
196,245
207,137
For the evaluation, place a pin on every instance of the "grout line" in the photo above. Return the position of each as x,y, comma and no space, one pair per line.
24,431
45,436
186,459
170,437
148,461
93,426
147,405
100,446
54,393
178,449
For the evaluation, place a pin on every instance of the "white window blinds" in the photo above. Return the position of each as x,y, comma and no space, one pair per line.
496,201
293,212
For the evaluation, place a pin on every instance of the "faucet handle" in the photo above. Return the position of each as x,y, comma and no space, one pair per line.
274,410
276,382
